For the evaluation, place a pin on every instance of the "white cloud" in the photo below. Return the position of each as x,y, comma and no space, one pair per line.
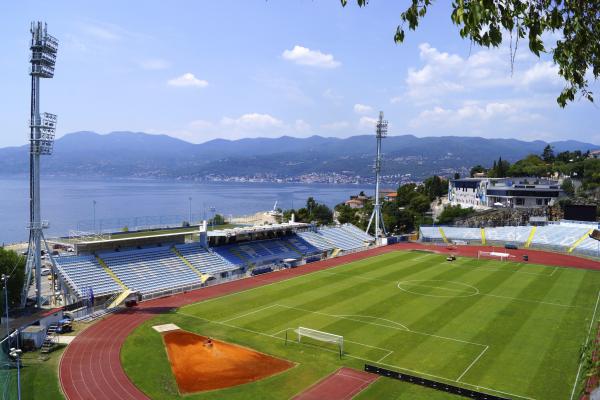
153,64
543,72
443,74
479,118
362,109
187,80
252,122
367,123
301,126
313,58
243,126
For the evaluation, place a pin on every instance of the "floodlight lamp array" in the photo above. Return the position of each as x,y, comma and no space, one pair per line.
43,51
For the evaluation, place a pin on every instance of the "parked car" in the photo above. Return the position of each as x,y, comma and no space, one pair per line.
46,271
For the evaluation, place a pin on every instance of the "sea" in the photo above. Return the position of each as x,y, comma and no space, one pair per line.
73,205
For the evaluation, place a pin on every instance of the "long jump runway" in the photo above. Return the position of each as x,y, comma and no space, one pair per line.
90,367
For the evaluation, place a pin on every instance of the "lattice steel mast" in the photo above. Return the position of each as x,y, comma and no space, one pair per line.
376,216
41,139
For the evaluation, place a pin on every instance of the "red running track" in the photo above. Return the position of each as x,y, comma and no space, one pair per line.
90,367
343,384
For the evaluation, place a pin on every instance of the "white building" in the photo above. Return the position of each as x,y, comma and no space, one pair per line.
484,193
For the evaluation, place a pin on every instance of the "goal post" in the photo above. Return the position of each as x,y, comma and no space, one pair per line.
493,255
321,336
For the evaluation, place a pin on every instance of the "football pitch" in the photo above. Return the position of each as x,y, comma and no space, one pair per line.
510,329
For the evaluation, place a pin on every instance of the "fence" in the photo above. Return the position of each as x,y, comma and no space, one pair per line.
8,369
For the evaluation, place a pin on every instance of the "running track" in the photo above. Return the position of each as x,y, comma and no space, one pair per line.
90,367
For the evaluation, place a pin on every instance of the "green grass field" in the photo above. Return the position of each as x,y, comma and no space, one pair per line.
510,329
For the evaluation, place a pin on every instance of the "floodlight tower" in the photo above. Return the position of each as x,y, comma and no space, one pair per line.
41,140
380,133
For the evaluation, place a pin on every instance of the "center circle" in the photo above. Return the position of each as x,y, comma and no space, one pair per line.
438,288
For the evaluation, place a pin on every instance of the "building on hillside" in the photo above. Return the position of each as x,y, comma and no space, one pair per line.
358,201
389,196
484,193
595,154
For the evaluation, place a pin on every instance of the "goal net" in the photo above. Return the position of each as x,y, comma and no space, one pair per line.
493,255
321,336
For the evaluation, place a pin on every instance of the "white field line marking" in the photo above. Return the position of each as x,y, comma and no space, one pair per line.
399,326
479,268
369,316
481,294
555,269
586,341
473,363
368,345
250,313
385,326
415,284
382,358
287,280
278,332
357,358
534,301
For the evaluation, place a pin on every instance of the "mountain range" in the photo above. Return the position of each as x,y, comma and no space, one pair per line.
136,154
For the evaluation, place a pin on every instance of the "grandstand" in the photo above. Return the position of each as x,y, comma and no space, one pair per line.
161,263
566,236
83,272
150,270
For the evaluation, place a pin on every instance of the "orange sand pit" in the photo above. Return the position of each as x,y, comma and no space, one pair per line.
199,366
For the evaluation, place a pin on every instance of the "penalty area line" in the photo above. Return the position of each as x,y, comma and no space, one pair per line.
355,357
473,363
587,338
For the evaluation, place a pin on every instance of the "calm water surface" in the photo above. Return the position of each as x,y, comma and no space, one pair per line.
68,203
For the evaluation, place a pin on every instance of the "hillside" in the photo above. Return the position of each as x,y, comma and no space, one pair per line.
143,155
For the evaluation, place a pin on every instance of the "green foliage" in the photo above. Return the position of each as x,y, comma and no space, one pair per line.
548,154
484,22
451,213
313,212
347,215
419,204
500,169
568,187
125,229
406,193
434,187
218,219
13,265
591,173
532,165
477,169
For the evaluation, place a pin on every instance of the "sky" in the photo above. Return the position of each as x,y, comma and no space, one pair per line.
201,70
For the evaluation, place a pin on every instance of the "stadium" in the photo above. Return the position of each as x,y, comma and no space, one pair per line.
302,310
454,313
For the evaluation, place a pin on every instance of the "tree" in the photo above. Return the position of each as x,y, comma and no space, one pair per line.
451,213
347,214
218,219
420,204
434,187
477,169
485,23
568,187
456,175
406,193
548,154
313,212
12,264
